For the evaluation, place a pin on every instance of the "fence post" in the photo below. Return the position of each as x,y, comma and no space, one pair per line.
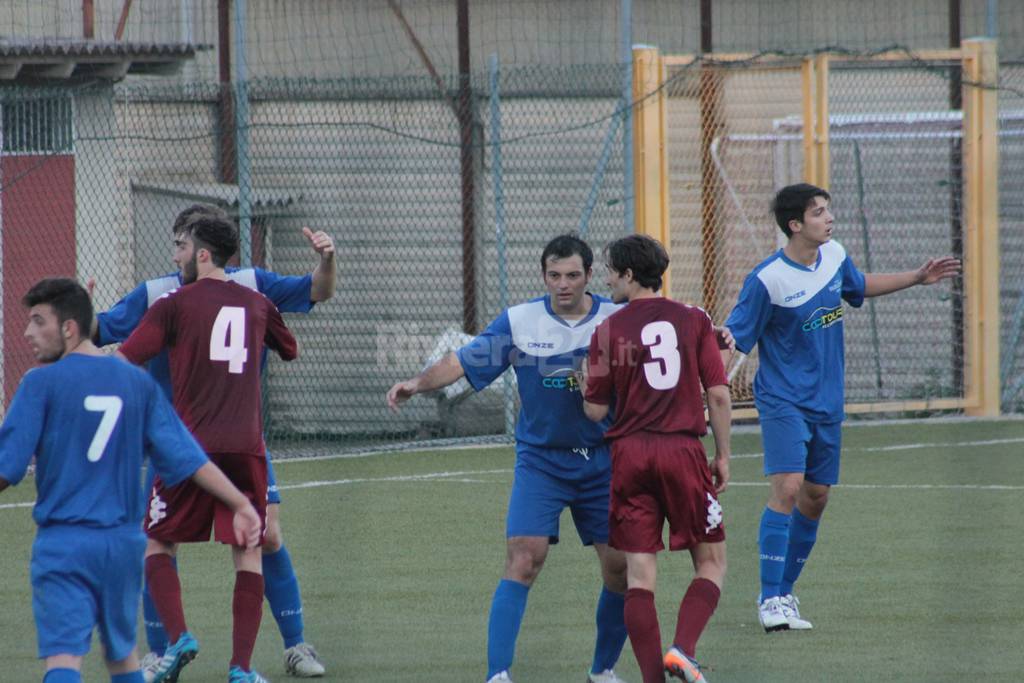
650,158
981,222
814,86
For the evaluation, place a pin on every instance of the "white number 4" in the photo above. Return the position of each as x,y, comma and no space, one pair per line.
227,341
110,406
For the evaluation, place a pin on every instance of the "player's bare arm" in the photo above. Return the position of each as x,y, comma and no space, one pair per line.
720,417
440,374
933,270
595,411
246,522
325,273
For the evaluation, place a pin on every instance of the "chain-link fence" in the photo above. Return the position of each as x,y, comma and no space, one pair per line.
441,190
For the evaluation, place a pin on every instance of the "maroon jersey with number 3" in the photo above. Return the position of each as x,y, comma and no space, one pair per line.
215,332
654,355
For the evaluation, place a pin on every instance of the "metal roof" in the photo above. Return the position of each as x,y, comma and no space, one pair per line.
225,194
49,59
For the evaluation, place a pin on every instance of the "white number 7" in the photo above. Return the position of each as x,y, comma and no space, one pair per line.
110,406
227,341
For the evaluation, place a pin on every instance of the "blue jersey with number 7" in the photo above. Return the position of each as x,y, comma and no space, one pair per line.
89,420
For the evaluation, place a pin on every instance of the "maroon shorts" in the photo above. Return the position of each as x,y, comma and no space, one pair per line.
186,513
657,477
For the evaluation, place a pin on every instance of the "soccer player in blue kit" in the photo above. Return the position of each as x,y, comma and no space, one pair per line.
291,294
791,307
90,419
562,459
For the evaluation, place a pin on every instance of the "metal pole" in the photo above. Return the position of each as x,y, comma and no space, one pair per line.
467,170
242,137
499,225
992,18
626,60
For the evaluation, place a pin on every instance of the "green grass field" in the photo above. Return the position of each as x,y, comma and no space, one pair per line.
916,575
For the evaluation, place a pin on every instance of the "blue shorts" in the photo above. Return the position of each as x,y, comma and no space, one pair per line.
273,495
547,480
792,444
85,578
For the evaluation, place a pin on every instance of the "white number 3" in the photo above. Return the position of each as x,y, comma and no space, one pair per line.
661,338
110,406
227,341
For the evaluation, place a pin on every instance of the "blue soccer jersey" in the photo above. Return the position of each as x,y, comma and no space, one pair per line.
794,314
290,293
544,350
89,420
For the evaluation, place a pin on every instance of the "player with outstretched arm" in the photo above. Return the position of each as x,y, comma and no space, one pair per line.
89,420
791,308
291,294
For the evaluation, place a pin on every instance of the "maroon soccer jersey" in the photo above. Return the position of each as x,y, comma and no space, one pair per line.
654,355
215,332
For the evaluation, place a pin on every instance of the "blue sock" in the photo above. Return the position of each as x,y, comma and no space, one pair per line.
772,541
62,676
611,630
507,609
156,636
133,677
282,590
802,534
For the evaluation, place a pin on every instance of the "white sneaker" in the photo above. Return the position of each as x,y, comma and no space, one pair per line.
149,665
771,615
501,676
790,608
606,676
302,661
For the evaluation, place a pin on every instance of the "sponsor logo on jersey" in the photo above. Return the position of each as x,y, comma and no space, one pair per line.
563,379
540,345
797,295
822,318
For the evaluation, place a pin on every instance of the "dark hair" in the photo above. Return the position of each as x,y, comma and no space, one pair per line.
564,246
643,255
217,235
69,300
195,211
792,201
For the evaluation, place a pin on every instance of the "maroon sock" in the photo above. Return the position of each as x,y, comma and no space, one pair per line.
165,589
247,608
695,610
644,634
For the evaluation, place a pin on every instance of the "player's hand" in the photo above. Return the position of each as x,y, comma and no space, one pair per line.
725,338
720,472
400,393
321,242
938,269
247,527
582,375
90,286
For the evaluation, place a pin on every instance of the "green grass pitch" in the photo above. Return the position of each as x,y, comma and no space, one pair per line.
916,575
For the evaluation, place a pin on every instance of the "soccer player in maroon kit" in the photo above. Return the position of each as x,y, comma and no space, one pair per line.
651,359
215,331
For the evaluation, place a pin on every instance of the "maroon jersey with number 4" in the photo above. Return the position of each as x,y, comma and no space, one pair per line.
215,332
654,355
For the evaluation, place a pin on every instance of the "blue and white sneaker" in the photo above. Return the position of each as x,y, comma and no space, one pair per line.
791,608
238,675
175,658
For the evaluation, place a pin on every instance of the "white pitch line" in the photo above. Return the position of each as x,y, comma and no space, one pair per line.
915,487
11,506
439,476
